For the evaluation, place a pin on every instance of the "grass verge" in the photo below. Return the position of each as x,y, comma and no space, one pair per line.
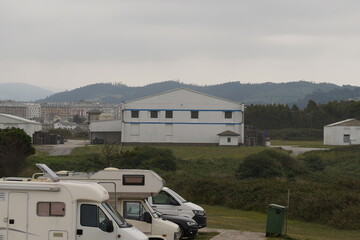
226,218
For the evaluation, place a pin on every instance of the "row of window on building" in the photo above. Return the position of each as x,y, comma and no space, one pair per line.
169,114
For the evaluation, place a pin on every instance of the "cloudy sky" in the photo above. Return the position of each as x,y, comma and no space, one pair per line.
65,44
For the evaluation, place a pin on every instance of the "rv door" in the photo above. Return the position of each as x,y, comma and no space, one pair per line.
17,221
93,223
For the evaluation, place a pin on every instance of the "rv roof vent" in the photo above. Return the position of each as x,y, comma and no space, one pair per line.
111,169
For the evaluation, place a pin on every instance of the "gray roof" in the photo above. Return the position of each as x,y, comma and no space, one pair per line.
177,89
19,119
228,133
348,122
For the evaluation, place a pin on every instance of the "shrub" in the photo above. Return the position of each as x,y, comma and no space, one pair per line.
15,147
268,164
147,158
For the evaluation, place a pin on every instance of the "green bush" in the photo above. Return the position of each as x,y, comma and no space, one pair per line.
147,158
268,164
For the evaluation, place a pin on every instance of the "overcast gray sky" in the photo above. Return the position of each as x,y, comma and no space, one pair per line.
65,44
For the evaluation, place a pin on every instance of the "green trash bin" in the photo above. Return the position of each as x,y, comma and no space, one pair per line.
276,217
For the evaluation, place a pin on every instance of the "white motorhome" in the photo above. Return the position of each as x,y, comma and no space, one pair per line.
169,202
129,189
55,210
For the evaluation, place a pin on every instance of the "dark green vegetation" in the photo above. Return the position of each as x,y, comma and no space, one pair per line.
110,155
67,134
324,185
15,147
284,93
286,119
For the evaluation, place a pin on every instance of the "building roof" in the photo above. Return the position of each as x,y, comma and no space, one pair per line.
16,118
94,111
186,89
348,122
228,133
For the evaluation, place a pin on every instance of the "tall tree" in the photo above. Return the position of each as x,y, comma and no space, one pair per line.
15,147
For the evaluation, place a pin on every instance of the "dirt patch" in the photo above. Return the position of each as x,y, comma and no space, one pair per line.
61,149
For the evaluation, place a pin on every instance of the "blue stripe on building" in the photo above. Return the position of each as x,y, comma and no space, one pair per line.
186,123
184,110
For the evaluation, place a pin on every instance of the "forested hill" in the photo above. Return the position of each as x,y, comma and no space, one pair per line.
264,93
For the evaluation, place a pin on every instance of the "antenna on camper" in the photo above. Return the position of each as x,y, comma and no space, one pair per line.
48,172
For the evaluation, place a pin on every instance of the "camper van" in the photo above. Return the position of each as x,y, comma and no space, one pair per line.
128,190
55,210
168,201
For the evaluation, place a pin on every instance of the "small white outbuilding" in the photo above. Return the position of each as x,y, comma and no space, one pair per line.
9,121
345,132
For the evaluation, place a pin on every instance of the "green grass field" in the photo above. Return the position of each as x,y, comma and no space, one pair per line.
226,218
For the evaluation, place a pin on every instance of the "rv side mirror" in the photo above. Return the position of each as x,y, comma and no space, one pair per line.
174,202
147,217
107,225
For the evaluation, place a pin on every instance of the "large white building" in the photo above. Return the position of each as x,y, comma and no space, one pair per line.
182,116
346,132
9,121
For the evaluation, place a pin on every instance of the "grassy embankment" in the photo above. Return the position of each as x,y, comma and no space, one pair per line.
221,162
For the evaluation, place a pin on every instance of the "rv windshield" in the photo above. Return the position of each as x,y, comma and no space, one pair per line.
120,221
177,196
152,210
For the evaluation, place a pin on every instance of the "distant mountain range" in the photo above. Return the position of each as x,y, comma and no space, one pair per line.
22,92
299,92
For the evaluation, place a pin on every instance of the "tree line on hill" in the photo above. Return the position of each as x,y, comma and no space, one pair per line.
281,93
313,116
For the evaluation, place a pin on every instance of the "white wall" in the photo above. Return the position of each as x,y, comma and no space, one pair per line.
181,128
13,121
234,141
29,128
334,135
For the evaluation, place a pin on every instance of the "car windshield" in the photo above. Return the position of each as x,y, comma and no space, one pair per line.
177,196
120,221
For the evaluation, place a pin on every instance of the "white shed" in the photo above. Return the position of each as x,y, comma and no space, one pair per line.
345,132
181,116
9,121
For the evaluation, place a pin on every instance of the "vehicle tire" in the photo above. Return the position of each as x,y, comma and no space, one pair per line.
181,232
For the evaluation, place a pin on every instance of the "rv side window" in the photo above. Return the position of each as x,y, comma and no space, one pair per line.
134,210
54,209
134,180
92,216
163,198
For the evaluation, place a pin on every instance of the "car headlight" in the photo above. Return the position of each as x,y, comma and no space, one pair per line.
191,224
199,212
177,235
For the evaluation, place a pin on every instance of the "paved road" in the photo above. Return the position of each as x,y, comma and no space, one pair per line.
62,149
225,234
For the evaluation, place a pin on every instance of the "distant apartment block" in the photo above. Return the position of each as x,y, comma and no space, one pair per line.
47,112
20,109
65,110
